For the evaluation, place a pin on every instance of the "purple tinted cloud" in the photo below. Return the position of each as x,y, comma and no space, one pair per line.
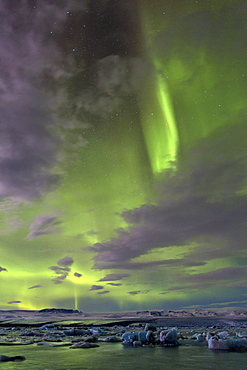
3,269
237,284
43,225
27,50
197,203
112,277
66,261
96,287
77,274
58,269
227,273
190,286
60,273
12,302
135,292
35,286
114,284
104,292
186,262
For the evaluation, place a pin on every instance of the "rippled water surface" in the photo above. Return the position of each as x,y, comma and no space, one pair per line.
114,356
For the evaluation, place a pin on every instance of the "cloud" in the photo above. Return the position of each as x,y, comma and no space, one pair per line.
12,302
227,303
96,287
43,225
104,292
114,284
61,273
35,286
27,151
3,269
77,274
41,121
66,261
200,202
135,292
116,78
225,274
190,286
28,49
186,262
113,277
237,284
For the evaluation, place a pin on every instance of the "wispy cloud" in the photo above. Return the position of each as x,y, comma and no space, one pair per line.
112,277
12,302
35,286
43,225
114,284
96,287
135,292
225,274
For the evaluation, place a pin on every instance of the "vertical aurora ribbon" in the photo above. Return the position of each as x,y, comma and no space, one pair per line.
158,120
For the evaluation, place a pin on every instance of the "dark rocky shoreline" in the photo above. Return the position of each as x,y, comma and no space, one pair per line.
77,330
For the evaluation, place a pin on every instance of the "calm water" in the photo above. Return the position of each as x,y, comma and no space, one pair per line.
111,356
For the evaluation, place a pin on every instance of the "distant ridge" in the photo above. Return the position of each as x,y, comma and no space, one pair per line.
59,310
194,313
149,314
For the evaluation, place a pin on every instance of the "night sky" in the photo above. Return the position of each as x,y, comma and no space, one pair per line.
123,154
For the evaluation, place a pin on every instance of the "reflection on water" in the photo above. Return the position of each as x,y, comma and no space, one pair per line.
111,356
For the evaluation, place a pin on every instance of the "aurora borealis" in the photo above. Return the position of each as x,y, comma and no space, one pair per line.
123,154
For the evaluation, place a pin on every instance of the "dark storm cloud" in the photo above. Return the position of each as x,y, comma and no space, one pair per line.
35,286
2,269
43,225
112,277
201,202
